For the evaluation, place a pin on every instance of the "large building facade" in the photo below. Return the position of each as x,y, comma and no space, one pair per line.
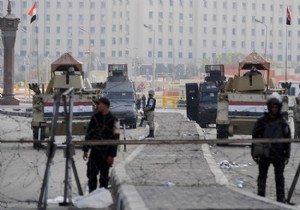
176,32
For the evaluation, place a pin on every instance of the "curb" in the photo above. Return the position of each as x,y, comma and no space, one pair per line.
15,113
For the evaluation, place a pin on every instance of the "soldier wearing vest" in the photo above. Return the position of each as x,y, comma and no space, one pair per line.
272,125
296,115
149,111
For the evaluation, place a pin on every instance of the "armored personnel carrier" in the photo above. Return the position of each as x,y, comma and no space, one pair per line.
66,72
121,93
204,96
242,99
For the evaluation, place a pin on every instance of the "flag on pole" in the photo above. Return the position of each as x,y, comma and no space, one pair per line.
32,13
288,16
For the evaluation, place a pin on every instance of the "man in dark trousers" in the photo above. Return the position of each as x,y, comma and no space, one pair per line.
273,126
149,111
103,125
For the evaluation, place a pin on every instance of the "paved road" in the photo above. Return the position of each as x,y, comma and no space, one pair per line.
137,176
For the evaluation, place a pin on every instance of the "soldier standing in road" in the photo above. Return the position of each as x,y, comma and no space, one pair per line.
271,126
143,101
296,112
149,111
103,125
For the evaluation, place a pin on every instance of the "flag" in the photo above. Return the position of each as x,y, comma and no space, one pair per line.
32,13
288,16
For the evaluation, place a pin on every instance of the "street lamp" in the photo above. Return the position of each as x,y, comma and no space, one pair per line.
153,55
89,51
266,41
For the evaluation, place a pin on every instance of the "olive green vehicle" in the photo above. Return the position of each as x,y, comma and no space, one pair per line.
242,99
66,72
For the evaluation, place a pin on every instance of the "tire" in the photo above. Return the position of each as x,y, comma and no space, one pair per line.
222,133
203,125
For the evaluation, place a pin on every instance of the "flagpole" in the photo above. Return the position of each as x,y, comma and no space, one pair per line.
37,56
286,52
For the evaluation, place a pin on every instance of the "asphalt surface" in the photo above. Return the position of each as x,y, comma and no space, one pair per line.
144,177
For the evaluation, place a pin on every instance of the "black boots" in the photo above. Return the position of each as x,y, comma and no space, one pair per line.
141,123
151,134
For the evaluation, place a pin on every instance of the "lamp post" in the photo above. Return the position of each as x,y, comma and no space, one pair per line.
90,55
266,41
153,56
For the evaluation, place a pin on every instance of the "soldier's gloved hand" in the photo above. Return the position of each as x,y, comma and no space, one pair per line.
256,159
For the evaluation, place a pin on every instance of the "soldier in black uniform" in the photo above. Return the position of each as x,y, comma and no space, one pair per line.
103,125
273,126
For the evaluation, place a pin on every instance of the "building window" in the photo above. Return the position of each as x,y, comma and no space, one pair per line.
48,18
120,53
58,42
181,29
170,55
58,30
92,17
114,27
233,44
160,15
170,28
180,55
279,57
113,53
223,43
81,5
149,54
190,55
160,42
159,54
214,30
170,42
150,14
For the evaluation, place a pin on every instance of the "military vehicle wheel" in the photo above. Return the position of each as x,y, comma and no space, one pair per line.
134,125
222,133
203,125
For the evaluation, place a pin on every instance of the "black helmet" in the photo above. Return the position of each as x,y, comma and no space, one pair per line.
274,99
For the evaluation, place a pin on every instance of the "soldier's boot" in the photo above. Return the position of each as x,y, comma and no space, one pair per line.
261,189
151,134
142,121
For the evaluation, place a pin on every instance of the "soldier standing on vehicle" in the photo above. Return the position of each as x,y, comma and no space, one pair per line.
149,111
296,115
103,125
273,126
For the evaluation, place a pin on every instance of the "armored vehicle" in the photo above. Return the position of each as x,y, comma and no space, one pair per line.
242,99
121,93
204,96
66,72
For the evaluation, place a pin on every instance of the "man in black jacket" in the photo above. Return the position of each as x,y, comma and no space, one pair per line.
103,125
274,126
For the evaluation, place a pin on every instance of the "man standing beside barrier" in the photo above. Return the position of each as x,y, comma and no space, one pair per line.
271,126
296,116
103,125
149,111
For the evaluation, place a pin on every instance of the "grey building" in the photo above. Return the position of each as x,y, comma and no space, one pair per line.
186,32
